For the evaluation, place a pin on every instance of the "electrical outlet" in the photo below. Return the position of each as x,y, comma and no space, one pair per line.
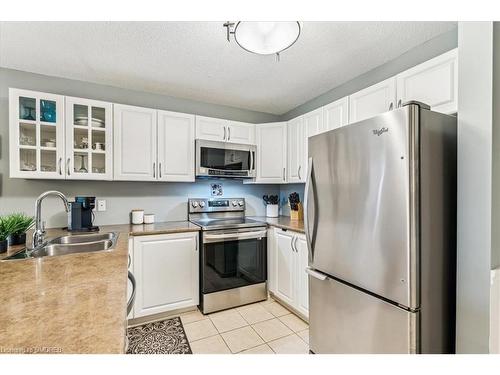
101,205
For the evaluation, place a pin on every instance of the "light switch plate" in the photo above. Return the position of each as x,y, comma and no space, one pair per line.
101,205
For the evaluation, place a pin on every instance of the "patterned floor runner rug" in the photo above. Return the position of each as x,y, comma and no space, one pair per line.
163,337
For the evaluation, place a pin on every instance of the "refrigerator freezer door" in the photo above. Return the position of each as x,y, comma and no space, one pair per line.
358,205
345,320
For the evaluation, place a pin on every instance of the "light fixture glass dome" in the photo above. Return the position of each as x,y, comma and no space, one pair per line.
266,38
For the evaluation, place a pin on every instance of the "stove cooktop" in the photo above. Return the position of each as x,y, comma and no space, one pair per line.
226,223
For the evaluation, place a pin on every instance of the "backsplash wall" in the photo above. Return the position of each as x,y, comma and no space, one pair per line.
168,201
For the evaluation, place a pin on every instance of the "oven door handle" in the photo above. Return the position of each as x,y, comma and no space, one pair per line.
207,238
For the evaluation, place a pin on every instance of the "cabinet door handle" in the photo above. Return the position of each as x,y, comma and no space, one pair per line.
391,106
60,166
159,169
68,167
154,170
224,133
399,103
284,176
228,133
298,172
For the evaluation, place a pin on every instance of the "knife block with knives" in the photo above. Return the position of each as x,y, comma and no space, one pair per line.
296,209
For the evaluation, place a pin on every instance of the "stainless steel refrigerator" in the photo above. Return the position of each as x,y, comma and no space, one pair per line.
381,231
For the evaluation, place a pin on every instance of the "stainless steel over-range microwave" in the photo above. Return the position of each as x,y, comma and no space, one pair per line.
222,159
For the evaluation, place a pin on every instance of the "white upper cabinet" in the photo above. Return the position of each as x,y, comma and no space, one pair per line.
89,139
214,129
313,125
134,143
313,122
336,114
36,136
373,100
175,146
271,152
296,150
434,82
211,129
241,132
166,270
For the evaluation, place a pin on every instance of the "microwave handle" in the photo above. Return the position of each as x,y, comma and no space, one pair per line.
252,166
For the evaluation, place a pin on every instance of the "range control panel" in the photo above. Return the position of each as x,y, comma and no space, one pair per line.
216,204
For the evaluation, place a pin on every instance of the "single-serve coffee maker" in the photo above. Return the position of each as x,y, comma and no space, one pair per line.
80,215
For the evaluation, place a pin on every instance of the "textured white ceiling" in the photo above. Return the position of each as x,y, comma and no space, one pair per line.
193,59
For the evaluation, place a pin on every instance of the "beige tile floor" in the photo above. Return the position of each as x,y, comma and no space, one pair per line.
261,328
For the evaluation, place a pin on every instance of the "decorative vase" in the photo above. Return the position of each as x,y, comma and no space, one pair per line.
272,210
4,244
17,239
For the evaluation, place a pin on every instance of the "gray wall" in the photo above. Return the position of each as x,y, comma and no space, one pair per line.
415,56
166,200
475,60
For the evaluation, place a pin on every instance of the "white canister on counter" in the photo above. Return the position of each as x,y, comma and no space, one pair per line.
137,216
149,218
272,210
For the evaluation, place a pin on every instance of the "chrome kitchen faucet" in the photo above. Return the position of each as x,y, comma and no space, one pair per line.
39,233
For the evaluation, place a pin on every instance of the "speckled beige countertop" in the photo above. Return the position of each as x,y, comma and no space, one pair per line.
283,222
74,303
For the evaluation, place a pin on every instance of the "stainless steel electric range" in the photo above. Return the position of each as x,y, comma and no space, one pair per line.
233,256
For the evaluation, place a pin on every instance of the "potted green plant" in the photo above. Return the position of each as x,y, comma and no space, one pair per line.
18,224
4,234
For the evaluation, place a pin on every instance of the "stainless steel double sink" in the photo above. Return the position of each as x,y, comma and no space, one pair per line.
63,245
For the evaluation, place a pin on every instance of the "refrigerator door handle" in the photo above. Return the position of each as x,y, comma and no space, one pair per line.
316,274
310,204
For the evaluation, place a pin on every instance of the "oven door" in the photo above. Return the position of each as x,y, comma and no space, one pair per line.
221,159
233,258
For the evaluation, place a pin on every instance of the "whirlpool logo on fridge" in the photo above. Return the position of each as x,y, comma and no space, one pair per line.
379,132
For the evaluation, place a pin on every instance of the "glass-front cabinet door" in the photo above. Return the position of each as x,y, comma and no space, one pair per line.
36,134
88,139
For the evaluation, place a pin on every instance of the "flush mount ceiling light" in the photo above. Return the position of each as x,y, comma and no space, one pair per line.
264,38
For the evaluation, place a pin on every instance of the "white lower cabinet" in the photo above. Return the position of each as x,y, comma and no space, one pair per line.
302,254
166,270
288,278
284,266
271,282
